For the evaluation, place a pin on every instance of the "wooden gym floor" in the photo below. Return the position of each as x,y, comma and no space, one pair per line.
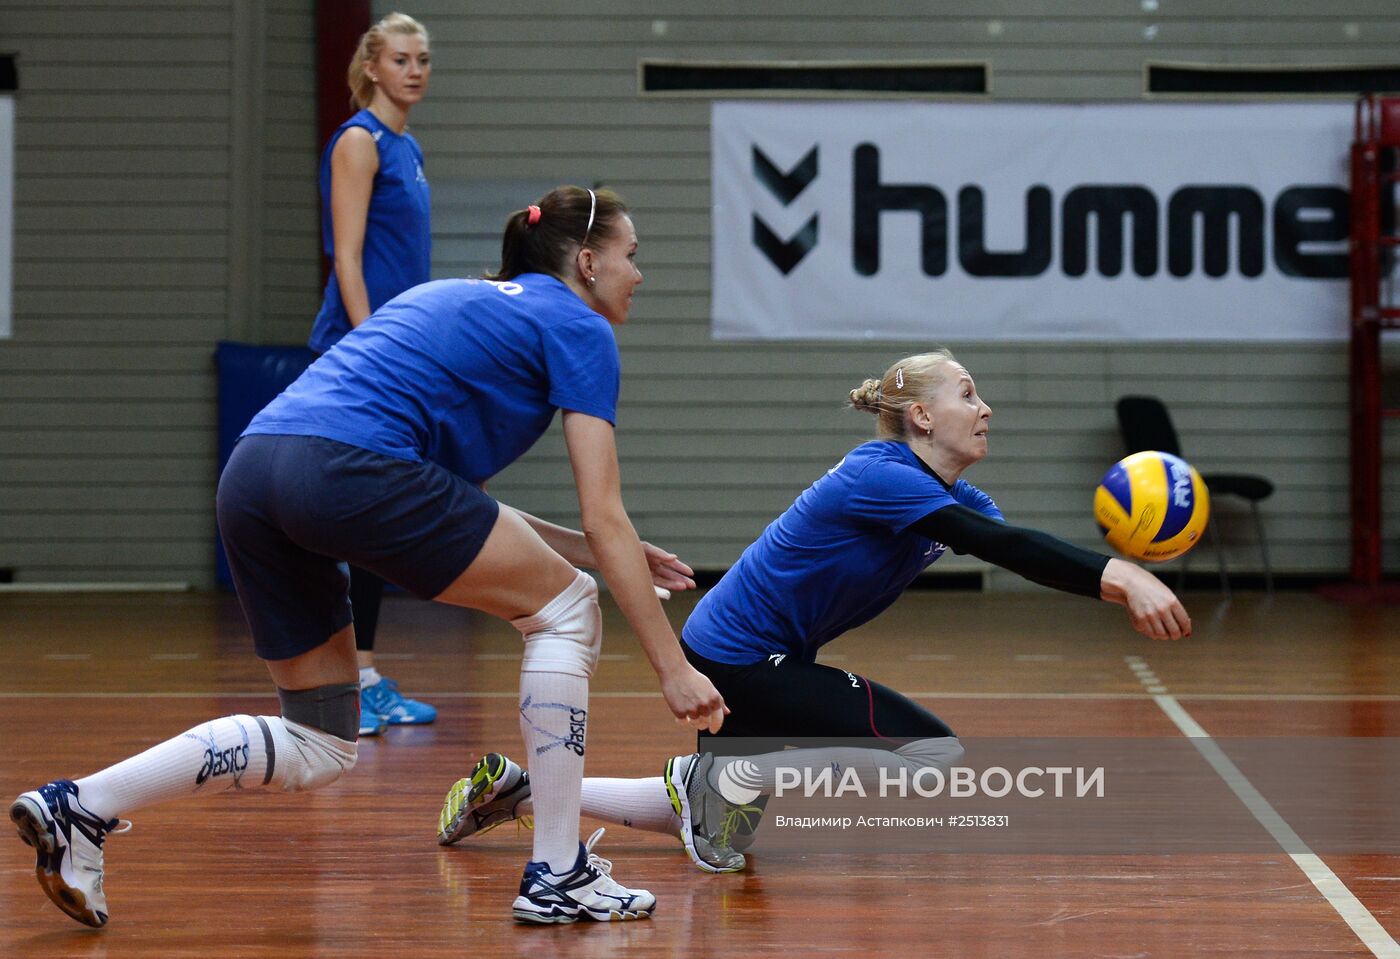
353,869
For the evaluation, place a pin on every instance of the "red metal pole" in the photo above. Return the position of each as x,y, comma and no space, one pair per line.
339,26
1365,392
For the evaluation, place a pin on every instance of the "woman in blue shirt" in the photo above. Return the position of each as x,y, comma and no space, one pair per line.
376,230
376,455
834,560
375,227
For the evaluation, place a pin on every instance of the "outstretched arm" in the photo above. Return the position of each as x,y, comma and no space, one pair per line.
614,543
1050,561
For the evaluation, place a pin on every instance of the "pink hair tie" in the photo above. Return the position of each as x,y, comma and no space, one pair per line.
534,216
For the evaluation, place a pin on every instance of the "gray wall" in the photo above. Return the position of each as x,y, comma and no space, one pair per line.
163,202
166,199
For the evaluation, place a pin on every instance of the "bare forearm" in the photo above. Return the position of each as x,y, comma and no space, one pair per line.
349,275
618,551
568,543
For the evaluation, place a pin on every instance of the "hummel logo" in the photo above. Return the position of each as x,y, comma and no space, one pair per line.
785,254
777,658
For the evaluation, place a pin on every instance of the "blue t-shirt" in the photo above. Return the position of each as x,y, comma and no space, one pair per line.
463,373
837,558
397,251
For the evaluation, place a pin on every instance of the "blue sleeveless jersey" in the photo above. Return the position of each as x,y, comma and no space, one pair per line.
463,373
398,237
837,558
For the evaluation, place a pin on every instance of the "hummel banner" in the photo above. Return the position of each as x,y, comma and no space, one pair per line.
958,222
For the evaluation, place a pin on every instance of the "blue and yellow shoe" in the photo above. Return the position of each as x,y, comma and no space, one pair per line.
488,797
385,699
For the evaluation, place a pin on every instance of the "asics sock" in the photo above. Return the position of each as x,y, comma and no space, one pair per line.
225,753
554,724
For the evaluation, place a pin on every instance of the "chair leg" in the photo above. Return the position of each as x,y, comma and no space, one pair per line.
1263,547
1216,538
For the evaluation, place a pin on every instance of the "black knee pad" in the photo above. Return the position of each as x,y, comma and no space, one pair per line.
334,708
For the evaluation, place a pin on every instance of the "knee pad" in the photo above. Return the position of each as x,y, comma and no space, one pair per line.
944,752
567,635
334,708
301,757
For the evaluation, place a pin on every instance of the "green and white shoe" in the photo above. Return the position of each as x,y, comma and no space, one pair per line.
484,800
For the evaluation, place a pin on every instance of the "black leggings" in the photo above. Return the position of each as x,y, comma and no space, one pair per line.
366,593
783,698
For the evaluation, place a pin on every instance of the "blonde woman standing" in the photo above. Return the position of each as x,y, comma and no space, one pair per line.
376,229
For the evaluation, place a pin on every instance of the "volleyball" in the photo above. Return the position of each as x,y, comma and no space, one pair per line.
1152,506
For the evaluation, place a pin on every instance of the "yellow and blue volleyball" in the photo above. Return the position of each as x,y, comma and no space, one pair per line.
1152,506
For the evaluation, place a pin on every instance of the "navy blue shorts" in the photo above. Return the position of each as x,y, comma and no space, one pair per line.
293,510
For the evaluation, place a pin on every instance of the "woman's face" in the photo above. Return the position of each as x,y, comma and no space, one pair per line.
613,267
958,416
402,68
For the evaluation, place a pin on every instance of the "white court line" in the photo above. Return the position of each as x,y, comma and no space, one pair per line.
1038,658
932,658
594,694
1371,933
646,694
1291,697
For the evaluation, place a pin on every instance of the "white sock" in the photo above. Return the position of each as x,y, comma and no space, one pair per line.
638,803
554,723
225,753
369,676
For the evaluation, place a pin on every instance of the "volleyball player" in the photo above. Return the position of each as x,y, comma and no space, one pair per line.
376,230
841,554
376,456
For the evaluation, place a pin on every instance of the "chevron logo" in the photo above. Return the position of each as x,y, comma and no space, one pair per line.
786,186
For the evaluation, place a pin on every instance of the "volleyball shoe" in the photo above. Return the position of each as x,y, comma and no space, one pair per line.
488,797
707,818
587,891
69,841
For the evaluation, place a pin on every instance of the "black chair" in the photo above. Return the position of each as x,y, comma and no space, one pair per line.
1146,425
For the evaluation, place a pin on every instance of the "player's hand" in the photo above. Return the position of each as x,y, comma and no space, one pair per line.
693,699
1152,606
667,571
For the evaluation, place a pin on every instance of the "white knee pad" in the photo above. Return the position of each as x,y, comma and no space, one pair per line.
302,757
567,635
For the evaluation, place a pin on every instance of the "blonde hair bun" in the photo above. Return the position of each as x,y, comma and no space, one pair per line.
908,381
866,397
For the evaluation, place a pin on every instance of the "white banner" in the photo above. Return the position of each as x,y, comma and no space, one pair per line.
934,221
